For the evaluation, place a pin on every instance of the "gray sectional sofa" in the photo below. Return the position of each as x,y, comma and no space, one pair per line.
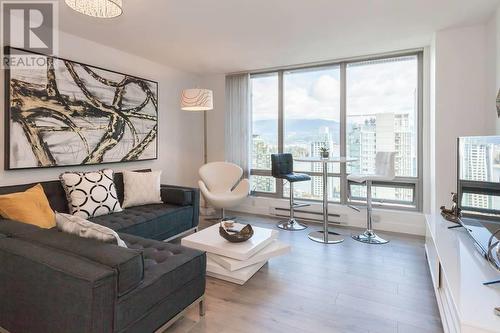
55,282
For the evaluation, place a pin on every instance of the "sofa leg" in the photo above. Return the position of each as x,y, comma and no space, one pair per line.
202,308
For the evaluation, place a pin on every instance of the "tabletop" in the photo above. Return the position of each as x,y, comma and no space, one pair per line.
334,159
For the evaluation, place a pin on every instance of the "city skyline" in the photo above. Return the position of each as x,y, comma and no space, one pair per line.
380,132
479,161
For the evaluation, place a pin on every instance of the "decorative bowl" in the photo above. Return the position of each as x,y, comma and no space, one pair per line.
234,236
228,224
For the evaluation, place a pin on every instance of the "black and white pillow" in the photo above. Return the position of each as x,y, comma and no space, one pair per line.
91,194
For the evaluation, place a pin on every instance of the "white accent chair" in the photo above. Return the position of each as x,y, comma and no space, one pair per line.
222,186
384,171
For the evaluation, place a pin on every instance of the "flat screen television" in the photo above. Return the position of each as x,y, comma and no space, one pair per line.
478,187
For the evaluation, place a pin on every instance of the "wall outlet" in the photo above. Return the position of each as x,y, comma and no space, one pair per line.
375,218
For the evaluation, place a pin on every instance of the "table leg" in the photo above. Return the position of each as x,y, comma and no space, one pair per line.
325,236
325,202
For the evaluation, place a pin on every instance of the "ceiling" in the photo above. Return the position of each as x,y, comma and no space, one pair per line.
223,36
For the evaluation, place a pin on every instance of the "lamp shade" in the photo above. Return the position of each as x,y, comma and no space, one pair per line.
97,8
197,100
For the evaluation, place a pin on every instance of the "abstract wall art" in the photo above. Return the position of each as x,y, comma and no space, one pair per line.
69,113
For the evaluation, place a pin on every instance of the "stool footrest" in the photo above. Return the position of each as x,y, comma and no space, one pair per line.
298,205
354,208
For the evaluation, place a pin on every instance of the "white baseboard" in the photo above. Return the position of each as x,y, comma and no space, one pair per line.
407,222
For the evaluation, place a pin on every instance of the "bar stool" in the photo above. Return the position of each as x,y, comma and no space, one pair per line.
384,171
282,168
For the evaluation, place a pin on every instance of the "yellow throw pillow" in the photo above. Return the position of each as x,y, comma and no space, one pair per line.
31,207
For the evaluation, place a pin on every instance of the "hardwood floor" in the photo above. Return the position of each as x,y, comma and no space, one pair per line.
347,287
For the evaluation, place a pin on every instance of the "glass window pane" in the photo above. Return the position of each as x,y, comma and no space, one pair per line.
312,114
313,189
390,194
473,200
264,184
264,119
382,113
479,158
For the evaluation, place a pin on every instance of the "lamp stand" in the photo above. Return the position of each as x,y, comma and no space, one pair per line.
205,137
205,209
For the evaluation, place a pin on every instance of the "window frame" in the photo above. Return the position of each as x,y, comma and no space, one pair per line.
477,187
414,183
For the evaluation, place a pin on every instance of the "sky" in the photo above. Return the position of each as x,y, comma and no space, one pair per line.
315,94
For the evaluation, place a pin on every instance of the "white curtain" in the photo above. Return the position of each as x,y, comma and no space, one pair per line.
238,121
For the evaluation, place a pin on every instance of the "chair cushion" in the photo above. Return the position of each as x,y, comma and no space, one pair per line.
168,269
157,221
296,177
281,165
361,178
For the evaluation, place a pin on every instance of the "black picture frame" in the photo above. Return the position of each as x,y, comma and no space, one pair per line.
8,113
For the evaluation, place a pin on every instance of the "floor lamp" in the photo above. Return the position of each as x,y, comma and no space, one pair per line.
199,100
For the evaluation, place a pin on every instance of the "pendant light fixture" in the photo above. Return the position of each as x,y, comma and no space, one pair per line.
97,8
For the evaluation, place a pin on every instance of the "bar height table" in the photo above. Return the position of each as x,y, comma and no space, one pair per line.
325,236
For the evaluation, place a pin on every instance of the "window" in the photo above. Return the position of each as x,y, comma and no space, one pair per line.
356,109
382,115
311,112
264,101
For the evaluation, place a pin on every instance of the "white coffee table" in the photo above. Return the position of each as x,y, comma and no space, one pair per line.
236,262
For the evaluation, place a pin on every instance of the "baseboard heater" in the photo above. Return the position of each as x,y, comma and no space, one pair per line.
307,215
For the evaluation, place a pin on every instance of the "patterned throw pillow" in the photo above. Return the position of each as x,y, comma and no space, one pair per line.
90,194
141,188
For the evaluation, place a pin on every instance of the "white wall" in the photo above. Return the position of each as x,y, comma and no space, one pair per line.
459,102
493,63
493,67
497,21
180,133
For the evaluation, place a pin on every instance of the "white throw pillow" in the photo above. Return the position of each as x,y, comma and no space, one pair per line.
78,226
141,188
90,194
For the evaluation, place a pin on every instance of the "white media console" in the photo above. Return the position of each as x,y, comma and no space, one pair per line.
458,271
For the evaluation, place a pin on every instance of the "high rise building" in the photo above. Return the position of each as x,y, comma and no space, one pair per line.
476,166
261,159
324,139
383,132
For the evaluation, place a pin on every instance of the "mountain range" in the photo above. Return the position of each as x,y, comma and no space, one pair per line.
297,130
